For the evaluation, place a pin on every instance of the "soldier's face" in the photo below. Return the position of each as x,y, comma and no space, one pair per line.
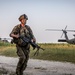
23,21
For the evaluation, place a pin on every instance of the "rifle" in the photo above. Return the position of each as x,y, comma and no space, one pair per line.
33,44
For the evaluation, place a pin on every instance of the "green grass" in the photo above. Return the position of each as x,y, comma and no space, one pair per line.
54,52
9,51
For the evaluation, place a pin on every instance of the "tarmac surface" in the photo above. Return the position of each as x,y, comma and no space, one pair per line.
36,67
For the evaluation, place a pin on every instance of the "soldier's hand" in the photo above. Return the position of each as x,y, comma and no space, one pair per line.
17,36
34,40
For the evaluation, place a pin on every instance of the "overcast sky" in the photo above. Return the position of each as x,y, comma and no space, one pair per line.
42,14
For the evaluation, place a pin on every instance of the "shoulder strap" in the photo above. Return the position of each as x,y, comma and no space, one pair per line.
30,31
27,28
19,27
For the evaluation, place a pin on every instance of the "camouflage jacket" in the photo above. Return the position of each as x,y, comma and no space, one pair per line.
24,31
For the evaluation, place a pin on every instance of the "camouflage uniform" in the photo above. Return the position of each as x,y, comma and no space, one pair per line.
22,51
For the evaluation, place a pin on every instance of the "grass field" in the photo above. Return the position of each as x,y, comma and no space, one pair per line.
54,52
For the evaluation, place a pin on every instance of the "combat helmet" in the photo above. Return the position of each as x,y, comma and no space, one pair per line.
24,16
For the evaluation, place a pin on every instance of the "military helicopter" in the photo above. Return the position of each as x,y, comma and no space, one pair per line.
70,41
5,39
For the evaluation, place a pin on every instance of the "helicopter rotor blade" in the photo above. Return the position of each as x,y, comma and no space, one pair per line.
65,27
61,35
62,30
59,30
70,30
53,30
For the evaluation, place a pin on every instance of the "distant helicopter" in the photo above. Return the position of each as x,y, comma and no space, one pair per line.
5,39
70,41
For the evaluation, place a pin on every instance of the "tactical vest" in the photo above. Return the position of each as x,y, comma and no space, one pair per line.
23,32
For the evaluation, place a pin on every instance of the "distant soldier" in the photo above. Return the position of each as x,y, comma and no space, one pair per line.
22,50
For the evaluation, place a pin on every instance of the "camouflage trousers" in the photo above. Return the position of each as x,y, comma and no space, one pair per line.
23,53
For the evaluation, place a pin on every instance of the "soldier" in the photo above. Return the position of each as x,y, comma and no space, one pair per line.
22,51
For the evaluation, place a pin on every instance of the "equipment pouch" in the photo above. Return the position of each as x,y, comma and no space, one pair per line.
19,42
